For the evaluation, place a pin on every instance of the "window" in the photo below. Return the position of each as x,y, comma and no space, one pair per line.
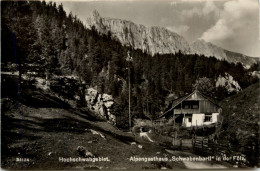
208,119
186,107
195,106
189,119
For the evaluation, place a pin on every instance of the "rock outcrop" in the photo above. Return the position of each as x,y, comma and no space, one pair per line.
256,73
228,82
100,104
155,40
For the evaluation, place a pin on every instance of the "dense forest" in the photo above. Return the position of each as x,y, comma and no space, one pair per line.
59,44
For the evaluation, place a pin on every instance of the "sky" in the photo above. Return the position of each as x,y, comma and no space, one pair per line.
230,24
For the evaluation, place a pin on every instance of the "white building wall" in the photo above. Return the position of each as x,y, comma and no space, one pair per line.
197,119
215,117
207,123
186,122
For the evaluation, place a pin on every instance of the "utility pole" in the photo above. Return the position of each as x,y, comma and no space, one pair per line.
129,59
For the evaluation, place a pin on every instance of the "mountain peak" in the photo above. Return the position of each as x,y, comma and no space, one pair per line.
160,40
94,19
95,14
149,39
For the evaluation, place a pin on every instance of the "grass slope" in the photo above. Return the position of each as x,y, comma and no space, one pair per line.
241,120
43,129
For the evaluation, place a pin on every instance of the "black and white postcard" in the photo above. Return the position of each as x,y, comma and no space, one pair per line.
130,84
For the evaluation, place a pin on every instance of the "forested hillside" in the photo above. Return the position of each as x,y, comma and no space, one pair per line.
41,37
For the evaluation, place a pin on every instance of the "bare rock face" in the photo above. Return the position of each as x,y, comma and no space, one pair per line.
100,104
152,40
160,40
228,82
208,49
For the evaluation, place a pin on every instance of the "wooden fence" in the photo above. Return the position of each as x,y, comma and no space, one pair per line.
182,143
205,147
200,142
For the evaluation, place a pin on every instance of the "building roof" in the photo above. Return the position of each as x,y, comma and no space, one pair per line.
181,99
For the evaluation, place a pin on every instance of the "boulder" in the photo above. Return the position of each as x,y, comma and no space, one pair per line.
84,152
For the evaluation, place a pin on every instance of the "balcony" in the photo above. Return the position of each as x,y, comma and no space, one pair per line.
186,111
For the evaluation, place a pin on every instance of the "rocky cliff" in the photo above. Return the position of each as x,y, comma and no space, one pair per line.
228,82
100,104
149,39
160,40
208,49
